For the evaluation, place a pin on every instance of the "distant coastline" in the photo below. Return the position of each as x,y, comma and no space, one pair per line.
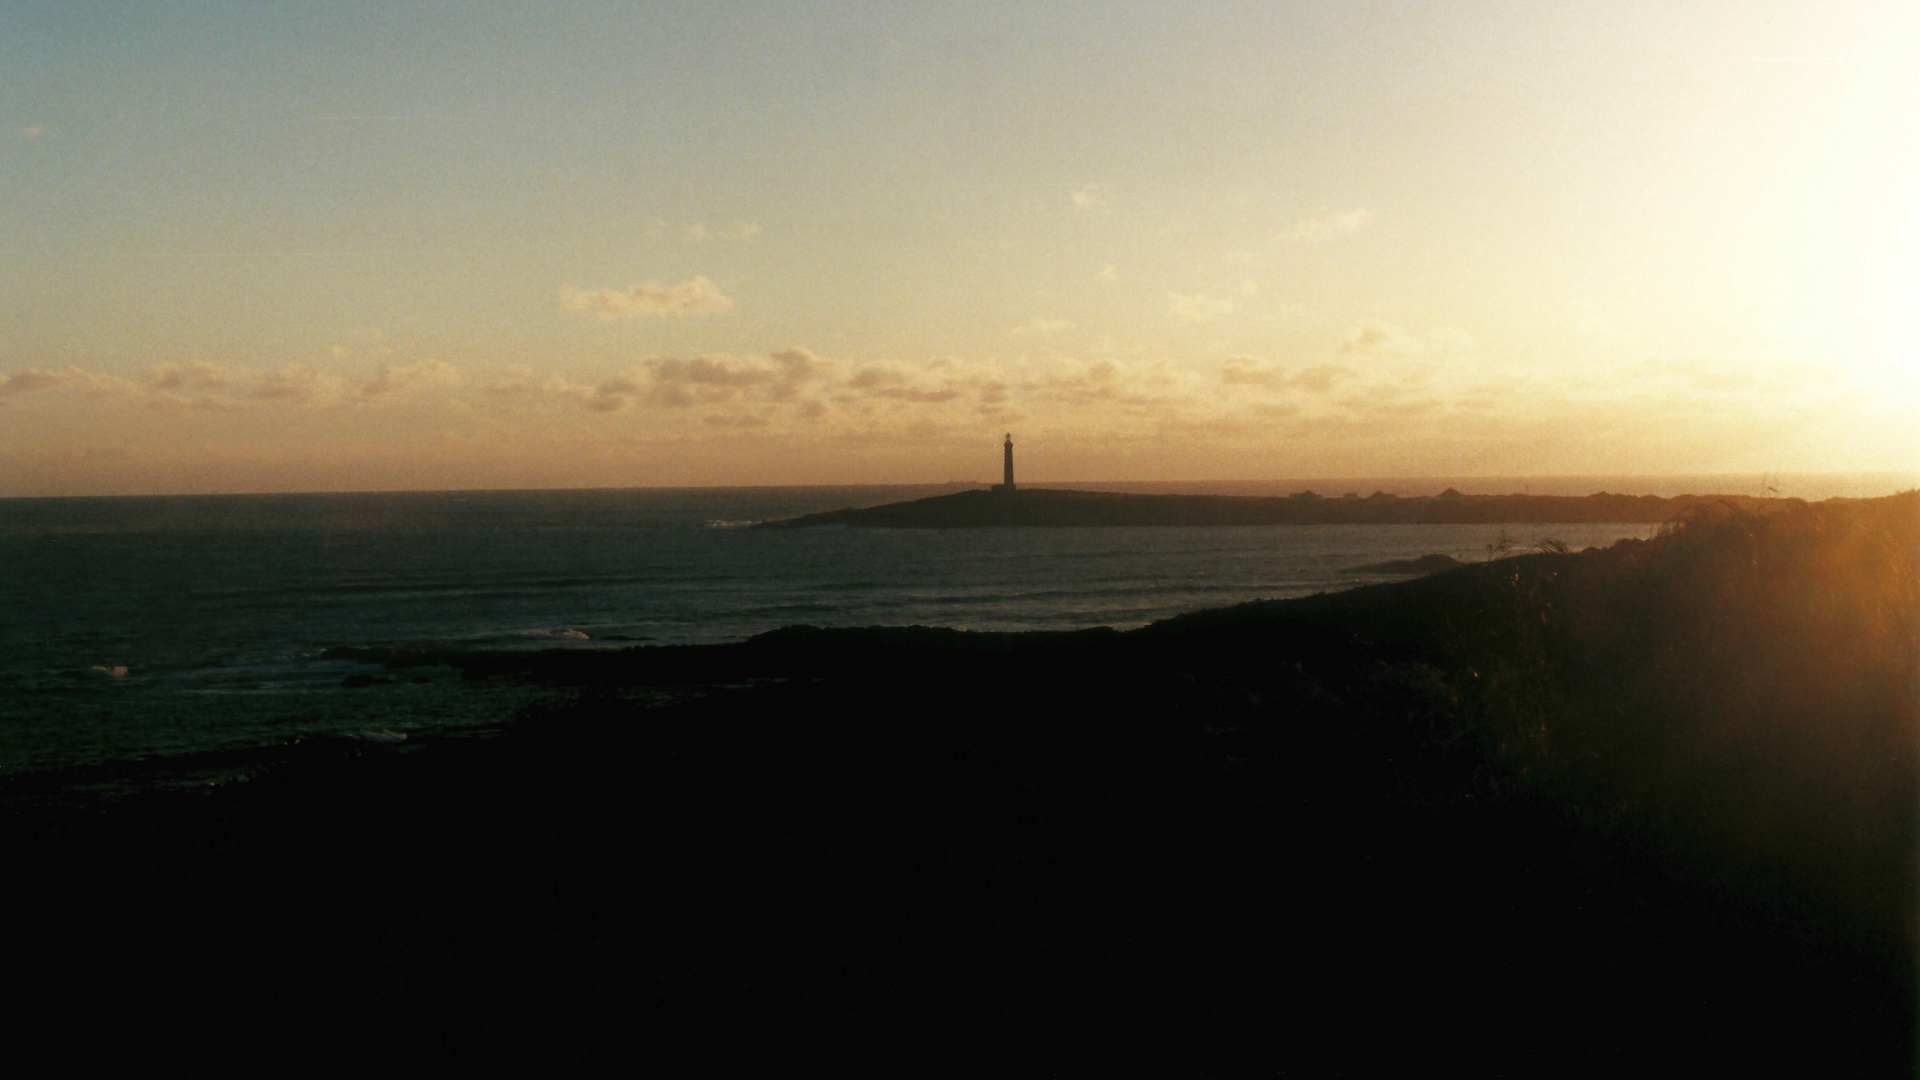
1057,507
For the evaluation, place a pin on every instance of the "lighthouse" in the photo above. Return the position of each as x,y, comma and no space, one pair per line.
1007,466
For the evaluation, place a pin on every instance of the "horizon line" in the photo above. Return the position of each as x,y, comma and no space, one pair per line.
1910,478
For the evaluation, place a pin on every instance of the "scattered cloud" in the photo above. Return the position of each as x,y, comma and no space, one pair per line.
519,386
1249,287
294,383
1377,338
1319,378
28,381
204,385
389,379
1192,307
670,382
705,380
1108,274
613,395
1042,326
1091,197
97,384
1316,379
696,296
1323,227
1245,371
796,405
194,375
168,401
36,131
898,383
185,387
736,420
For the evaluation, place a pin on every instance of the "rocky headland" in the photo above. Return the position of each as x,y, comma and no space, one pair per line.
1066,507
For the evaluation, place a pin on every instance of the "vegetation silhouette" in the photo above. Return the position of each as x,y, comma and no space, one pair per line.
1554,812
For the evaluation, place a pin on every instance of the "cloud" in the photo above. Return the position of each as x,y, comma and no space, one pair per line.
182,387
36,131
896,383
392,378
168,401
711,371
91,383
1324,227
670,382
28,381
1091,197
696,296
1318,379
1042,326
1244,371
714,378
798,362
1376,338
518,387
1192,307
1108,274
614,395
294,383
194,375
98,385
735,420
794,390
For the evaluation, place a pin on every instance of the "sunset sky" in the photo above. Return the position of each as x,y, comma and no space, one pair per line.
345,246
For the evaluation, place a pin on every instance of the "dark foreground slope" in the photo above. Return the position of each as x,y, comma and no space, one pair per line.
1062,507
1553,814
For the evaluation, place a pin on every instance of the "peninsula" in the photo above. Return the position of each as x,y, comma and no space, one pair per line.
1005,505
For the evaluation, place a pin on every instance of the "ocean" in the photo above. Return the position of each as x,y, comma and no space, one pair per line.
143,627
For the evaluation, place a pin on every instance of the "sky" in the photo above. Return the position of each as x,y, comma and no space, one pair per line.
347,246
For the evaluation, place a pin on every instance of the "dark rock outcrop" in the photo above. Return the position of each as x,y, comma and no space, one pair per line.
1425,564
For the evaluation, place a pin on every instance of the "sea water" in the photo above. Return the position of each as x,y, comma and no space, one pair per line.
139,627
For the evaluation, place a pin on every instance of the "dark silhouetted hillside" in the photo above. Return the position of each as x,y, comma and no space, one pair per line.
1550,814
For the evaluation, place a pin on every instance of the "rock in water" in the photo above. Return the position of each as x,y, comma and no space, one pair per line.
1425,564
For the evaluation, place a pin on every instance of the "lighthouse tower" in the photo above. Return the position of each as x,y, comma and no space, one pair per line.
1007,466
